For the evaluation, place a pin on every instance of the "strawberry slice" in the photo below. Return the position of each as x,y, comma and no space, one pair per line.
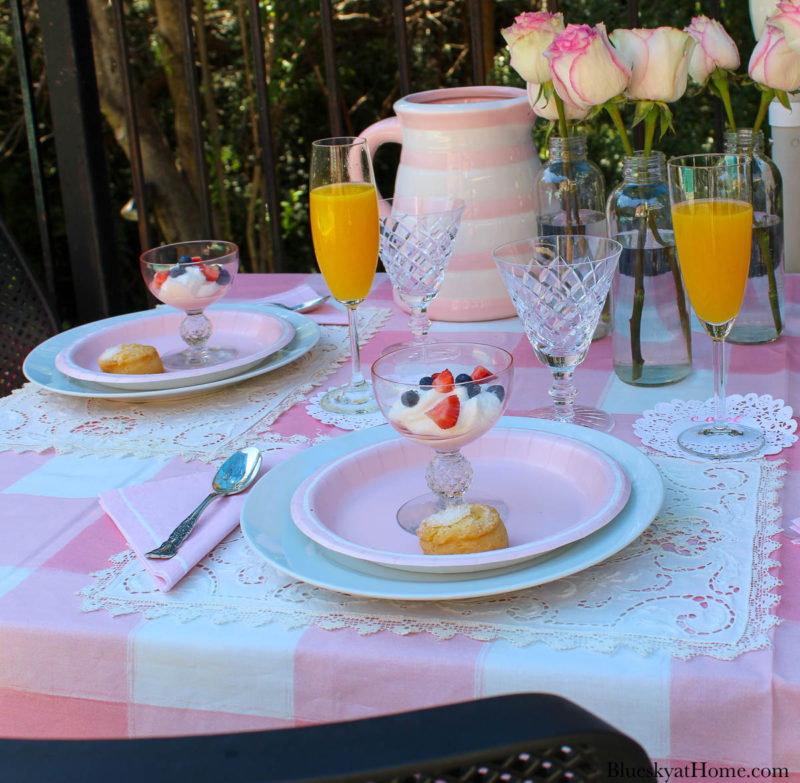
197,260
480,372
159,279
443,381
211,271
445,413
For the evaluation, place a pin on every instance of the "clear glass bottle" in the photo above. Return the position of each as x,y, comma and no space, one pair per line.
650,317
761,317
571,195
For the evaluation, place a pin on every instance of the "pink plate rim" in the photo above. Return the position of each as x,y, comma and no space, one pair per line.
223,319
310,524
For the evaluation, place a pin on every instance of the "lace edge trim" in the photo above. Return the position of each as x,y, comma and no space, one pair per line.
375,318
763,600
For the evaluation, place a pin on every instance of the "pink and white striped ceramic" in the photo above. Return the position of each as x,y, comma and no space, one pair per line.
473,143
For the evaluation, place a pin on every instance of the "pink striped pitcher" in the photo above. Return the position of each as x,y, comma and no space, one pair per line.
473,143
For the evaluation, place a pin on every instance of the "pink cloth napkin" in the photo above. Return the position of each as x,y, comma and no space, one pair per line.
147,513
324,314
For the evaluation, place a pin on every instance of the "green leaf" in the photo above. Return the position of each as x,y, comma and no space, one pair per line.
784,99
642,110
665,115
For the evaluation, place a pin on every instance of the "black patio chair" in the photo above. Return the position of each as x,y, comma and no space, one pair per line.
26,318
505,739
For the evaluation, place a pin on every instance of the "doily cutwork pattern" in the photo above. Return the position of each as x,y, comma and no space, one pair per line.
697,582
33,419
659,428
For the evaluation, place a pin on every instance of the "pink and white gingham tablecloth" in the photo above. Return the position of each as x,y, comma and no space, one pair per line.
69,673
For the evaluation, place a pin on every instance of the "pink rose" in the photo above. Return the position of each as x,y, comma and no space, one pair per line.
527,39
714,49
659,62
773,63
585,69
545,107
787,20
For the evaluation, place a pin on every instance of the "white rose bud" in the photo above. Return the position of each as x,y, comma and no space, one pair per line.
714,48
527,39
545,107
585,68
787,20
760,11
773,63
659,62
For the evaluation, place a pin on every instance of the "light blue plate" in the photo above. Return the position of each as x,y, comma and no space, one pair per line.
268,526
39,366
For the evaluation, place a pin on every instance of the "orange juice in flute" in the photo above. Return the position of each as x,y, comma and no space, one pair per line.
343,221
345,230
714,259
712,215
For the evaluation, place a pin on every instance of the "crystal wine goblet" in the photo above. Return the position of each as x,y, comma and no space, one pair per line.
191,276
712,215
417,238
344,229
443,395
558,285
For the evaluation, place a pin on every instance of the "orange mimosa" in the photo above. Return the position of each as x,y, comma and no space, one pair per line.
345,232
713,238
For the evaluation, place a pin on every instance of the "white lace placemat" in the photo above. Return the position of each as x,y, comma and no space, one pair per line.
659,428
205,427
697,582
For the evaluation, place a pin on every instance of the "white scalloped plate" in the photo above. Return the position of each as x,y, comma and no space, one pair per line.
39,366
267,524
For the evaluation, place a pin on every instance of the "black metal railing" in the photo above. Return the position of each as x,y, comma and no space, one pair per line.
75,112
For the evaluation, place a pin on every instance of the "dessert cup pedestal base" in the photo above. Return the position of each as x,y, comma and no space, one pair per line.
192,359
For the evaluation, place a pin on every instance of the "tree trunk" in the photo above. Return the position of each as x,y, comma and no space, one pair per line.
173,198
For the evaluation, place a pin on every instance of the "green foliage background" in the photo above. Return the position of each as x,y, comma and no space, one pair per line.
438,33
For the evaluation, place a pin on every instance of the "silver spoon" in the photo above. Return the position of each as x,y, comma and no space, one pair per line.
305,306
234,475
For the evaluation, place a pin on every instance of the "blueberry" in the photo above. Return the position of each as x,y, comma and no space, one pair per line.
426,382
475,388
498,390
410,398
224,277
177,271
463,378
185,260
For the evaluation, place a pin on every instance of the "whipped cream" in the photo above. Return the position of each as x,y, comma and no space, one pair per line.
448,516
477,413
190,291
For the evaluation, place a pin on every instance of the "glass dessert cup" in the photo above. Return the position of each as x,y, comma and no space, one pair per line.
418,234
190,276
443,395
712,213
558,285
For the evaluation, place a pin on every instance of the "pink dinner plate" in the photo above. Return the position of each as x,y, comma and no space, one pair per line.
557,490
254,336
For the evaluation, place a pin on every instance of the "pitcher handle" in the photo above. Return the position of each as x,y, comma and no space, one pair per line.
383,132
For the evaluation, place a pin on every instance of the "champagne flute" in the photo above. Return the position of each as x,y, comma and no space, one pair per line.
345,231
712,215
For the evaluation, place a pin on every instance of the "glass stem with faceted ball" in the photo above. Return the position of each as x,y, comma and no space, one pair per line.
345,232
712,215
